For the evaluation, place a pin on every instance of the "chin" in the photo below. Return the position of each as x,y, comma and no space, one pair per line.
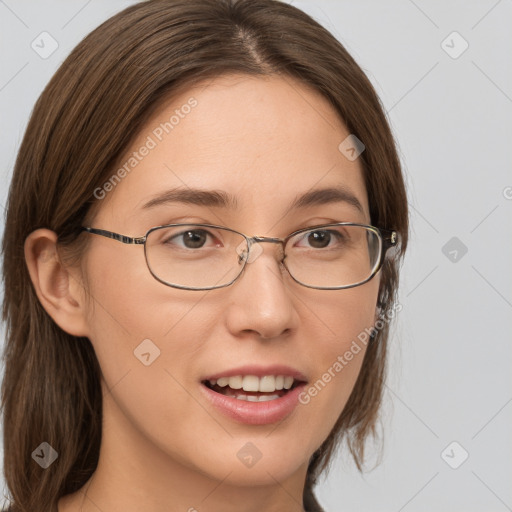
254,463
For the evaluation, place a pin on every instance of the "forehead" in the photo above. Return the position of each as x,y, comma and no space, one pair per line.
263,140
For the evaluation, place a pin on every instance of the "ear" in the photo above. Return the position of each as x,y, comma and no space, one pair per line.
60,293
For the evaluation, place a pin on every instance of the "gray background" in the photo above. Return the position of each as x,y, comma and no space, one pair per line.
450,378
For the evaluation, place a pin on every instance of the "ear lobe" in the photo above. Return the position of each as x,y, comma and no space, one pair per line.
56,289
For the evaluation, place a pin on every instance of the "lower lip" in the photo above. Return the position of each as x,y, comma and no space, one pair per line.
255,413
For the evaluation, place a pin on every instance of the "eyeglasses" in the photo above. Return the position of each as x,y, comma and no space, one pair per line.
206,256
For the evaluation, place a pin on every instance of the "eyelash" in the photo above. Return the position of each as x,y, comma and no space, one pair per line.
336,236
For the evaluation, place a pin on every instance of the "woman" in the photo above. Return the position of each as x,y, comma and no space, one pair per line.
201,258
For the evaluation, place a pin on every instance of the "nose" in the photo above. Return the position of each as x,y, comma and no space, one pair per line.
262,300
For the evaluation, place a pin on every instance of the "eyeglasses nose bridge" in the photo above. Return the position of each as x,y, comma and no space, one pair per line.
260,239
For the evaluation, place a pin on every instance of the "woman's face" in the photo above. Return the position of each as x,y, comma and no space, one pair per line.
265,142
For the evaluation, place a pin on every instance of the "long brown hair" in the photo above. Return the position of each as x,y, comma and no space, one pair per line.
83,122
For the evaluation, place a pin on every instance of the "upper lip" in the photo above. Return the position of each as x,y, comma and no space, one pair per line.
259,371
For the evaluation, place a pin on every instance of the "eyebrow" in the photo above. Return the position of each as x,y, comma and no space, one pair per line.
325,196
195,196
222,199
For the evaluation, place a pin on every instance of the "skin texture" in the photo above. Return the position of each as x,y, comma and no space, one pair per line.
164,447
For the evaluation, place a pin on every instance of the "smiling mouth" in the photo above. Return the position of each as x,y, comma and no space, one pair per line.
252,388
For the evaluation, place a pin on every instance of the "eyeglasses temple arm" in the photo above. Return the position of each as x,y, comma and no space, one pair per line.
116,236
390,238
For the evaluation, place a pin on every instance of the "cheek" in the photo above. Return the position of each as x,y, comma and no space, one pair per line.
132,314
339,346
147,337
339,317
128,299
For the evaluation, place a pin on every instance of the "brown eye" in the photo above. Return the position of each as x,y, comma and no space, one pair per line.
194,239
189,239
319,239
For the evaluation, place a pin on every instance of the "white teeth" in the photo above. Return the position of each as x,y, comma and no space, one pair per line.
268,383
252,383
235,382
267,398
253,398
223,382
